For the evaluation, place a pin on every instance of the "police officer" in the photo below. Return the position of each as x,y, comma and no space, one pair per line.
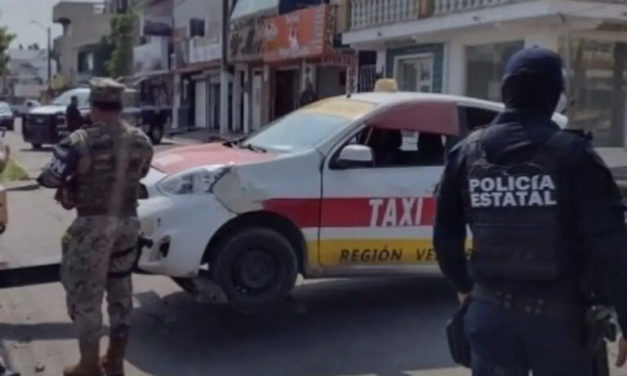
98,169
543,210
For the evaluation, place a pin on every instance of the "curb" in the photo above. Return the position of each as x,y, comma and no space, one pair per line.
6,368
18,186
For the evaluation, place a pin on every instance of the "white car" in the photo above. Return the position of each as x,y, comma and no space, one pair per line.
343,187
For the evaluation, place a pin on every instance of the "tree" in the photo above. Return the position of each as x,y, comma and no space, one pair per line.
122,40
5,40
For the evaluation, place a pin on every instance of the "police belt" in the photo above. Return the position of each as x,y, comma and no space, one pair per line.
531,305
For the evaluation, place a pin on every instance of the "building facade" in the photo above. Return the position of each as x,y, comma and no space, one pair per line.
83,24
28,74
460,47
197,36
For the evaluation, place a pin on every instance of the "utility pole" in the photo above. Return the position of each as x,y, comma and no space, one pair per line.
224,71
49,63
49,36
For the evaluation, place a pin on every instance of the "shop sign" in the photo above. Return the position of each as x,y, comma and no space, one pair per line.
204,49
340,59
246,41
301,34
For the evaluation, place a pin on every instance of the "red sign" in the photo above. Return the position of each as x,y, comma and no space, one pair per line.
297,35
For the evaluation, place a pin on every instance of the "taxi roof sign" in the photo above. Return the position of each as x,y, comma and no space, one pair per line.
386,85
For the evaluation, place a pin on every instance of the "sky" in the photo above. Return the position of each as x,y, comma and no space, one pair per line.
17,15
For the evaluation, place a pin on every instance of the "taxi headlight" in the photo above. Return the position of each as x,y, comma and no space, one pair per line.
200,181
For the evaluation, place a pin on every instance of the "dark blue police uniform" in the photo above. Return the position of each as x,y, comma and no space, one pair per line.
544,211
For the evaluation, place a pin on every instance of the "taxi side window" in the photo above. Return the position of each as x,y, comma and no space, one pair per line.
402,148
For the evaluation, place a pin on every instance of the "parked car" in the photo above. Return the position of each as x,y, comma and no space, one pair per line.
341,188
7,119
24,107
151,119
47,125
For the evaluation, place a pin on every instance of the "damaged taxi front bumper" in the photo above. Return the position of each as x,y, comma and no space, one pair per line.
179,227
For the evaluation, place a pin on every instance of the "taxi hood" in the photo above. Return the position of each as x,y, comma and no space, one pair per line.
188,157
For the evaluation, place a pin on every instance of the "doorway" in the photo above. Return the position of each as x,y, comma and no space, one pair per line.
285,92
415,73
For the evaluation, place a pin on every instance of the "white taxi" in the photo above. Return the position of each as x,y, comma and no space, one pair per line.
342,187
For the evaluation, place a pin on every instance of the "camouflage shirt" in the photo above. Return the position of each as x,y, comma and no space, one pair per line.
113,159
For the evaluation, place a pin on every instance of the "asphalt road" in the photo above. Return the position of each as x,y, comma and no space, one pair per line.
386,326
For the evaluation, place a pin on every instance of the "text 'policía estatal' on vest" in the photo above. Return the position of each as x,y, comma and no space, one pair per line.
512,191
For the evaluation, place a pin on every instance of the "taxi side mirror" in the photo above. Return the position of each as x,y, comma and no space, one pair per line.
355,156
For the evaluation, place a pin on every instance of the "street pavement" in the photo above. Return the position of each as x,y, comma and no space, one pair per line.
383,327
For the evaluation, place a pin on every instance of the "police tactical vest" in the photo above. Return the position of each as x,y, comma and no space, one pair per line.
513,212
110,186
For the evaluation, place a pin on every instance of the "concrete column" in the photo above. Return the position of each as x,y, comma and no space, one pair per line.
246,118
176,100
381,61
224,102
237,101
455,70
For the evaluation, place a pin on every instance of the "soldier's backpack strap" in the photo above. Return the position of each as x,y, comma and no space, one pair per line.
474,148
558,144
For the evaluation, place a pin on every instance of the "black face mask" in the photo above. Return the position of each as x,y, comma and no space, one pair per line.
531,92
533,81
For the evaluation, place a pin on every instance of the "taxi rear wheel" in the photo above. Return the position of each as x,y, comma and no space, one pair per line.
256,268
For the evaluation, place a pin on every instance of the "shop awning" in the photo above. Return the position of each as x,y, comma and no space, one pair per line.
189,68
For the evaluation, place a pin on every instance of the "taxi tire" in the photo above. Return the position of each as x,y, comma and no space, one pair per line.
246,240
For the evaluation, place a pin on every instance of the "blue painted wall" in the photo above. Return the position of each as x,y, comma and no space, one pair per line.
437,49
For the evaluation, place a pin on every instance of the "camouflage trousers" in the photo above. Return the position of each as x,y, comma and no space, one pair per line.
99,253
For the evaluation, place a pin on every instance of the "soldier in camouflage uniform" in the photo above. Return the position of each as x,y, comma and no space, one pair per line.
100,247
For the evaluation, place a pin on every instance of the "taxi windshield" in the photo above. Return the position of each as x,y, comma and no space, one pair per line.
305,128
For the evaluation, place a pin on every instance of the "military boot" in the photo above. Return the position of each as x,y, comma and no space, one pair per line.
113,361
89,364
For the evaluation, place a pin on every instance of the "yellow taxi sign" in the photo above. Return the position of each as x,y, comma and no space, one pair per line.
386,85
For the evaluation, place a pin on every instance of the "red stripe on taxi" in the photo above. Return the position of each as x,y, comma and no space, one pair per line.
356,212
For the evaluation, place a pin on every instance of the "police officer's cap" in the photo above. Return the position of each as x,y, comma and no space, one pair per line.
105,91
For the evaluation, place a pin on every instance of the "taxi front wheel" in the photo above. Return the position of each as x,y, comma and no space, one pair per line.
256,268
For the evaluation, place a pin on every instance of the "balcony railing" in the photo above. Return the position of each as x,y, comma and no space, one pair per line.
452,6
369,13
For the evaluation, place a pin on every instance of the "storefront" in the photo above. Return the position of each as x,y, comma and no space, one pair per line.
417,68
250,85
597,82
295,44
485,66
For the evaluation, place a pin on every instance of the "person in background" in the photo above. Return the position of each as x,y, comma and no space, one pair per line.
73,116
